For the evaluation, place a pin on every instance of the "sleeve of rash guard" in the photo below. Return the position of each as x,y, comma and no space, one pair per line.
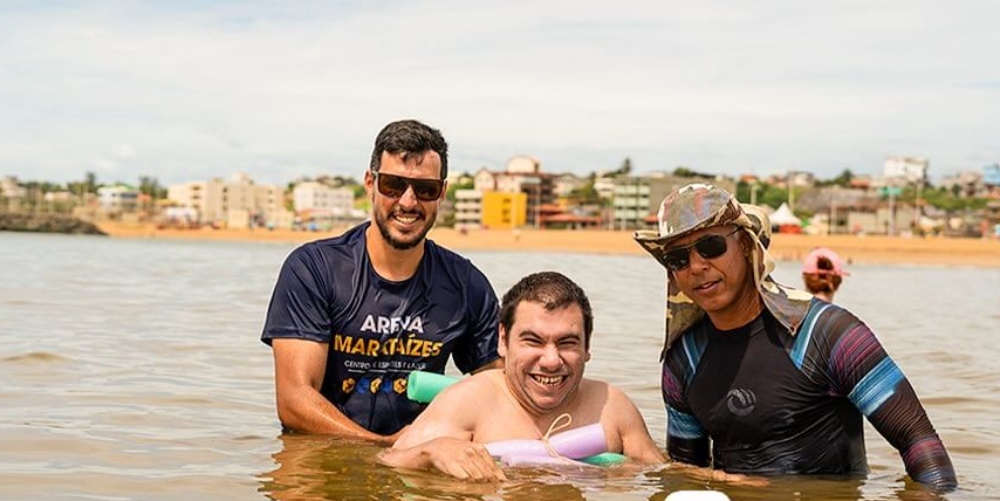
862,370
687,440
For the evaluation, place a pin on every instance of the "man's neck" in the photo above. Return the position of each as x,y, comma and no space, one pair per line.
389,262
742,313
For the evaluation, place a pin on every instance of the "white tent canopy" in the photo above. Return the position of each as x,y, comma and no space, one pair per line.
783,215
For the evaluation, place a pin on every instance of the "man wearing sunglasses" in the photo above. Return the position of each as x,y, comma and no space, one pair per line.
762,379
351,316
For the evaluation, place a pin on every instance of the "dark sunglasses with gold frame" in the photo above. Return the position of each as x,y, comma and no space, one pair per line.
393,186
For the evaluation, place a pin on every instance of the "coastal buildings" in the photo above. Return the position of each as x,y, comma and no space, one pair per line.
906,169
900,201
511,198
476,209
315,196
238,202
636,199
11,189
118,198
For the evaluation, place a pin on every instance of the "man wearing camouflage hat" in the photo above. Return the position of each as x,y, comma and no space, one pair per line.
759,378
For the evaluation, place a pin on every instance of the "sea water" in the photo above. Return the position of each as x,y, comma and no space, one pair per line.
132,369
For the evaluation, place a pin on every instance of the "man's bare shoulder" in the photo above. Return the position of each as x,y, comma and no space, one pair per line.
603,397
596,388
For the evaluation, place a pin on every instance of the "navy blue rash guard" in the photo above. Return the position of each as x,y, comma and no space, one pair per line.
766,402
378,331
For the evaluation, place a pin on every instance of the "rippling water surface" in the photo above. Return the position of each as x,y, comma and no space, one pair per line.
131,369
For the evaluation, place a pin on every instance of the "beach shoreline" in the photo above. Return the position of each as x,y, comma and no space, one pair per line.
866,249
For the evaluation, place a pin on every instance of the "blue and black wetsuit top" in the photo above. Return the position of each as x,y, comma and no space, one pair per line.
765,402
378,331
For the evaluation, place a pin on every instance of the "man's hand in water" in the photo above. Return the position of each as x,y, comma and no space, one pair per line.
455,457
713,475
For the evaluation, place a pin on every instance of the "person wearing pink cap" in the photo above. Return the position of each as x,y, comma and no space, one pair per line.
822,272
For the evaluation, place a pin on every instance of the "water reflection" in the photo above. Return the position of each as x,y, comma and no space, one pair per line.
310,468
315,467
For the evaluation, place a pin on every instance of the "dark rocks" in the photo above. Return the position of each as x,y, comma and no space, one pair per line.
47,223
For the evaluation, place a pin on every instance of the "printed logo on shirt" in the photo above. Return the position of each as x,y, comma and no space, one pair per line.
399,386
406,331
374,385
741,402
411,346
392,325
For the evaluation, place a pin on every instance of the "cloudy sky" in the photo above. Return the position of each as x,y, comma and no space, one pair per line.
187,90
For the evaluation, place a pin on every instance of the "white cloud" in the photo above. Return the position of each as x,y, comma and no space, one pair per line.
186,92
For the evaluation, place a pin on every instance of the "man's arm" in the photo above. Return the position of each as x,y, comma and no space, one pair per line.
441,437
637,444
451,456
299,367
862,370
687,440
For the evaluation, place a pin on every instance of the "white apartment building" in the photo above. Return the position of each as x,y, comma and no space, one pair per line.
631,202
468,209
315,196
523,164
118,198
605,186
564,184
906,169
215,199
10,188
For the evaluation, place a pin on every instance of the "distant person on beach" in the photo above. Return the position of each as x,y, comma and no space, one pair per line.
763,379
351,316
545,328
822,273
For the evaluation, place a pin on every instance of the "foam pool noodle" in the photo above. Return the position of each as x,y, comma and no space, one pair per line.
586,443
536,460
424,386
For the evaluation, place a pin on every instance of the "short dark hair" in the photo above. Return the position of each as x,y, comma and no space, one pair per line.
409,137
554,291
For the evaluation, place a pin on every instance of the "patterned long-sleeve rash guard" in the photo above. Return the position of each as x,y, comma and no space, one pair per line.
767,402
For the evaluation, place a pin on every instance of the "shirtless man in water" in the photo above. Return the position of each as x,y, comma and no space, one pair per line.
545,327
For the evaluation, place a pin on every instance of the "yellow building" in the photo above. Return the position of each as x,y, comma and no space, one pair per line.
504,210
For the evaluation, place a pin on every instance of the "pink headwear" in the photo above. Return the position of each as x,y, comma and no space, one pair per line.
811,264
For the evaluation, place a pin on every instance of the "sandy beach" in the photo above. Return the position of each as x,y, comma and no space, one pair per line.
874,249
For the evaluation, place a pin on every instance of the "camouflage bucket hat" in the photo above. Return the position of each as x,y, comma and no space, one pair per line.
689,209
695,207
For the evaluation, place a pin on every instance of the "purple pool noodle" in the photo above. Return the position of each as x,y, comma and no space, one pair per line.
575,444
517,447
580,442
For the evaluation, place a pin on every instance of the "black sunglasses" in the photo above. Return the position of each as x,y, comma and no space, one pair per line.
708,247
394,186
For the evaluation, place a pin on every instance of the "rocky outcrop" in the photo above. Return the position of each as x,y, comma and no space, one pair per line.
47,223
